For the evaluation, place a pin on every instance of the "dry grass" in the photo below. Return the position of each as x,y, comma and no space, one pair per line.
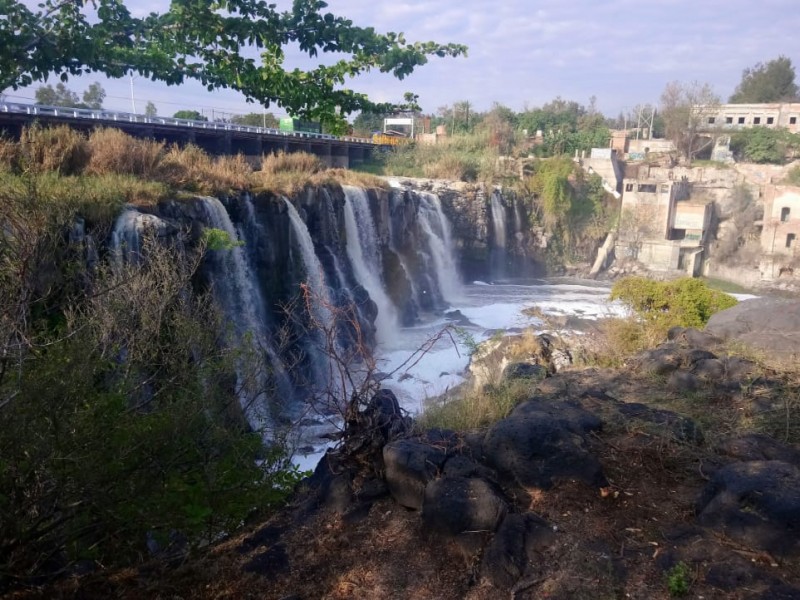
190,168
293,162
60,149
113,151
474,409
348,177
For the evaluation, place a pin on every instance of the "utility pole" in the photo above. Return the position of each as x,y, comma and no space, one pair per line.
133,102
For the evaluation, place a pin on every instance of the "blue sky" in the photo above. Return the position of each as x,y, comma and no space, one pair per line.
526,52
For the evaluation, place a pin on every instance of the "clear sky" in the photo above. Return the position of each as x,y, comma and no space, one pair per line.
527,52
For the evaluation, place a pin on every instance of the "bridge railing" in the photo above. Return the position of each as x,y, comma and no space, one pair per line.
123,117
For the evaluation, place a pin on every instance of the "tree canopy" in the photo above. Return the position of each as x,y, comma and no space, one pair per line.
210,42
61,95
683,116
770,82
262,119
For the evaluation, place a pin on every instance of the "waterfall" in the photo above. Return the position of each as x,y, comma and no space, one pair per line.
498,222
126,237
436,230
321,297
240,297
498,252
364,252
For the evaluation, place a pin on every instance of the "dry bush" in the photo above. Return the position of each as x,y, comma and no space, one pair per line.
348,177
192,169
473,409
113,151
61,149
8,154
298,162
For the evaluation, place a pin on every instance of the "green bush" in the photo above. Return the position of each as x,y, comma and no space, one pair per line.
793,176
120,425
763,145
679,580
684,302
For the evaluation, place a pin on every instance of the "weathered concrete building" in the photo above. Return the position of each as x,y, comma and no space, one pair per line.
781,231
662,226
742,116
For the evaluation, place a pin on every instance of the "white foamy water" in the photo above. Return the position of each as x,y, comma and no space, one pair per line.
488,308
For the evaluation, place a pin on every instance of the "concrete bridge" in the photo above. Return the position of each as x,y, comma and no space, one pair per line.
214,137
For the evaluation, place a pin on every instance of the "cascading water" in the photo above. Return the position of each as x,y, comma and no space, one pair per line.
236,289
436,230
126,237
364,252
498,253
321,298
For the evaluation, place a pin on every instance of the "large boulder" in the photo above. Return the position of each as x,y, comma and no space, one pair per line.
536,449
768,324
409,466
756,503
516,547
456,505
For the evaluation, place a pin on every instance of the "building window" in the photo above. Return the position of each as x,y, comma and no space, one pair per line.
785,214
711,120
770,120
729,120
792,120
665,188
790,240
756,120
647,188
741,120
628,187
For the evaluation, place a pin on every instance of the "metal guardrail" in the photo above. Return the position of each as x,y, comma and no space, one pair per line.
102,115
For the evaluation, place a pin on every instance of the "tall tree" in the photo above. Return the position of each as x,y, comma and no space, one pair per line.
192,115
254,119
683,109
770,82
150,110
211,42
60,95
94,95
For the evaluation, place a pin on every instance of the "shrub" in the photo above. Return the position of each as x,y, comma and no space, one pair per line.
113,151
294,162
679,580
119,425
793,176
190,168
61,149
473,409
684,302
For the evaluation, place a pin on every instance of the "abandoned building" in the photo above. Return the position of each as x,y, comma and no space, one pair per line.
662,226
742,116
780,232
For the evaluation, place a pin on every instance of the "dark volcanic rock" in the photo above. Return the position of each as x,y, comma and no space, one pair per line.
569,412
768,324
535,449
410,465
514,549
523,370
756,503
683,382
753,447
681,428
455,505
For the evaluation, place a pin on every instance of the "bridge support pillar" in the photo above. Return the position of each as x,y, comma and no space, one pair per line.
225,143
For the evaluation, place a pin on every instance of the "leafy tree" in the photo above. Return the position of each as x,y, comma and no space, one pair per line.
210,42
368,122
770,82
150,110
683,109
256,120
189,114
60,95
94,95
763,145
